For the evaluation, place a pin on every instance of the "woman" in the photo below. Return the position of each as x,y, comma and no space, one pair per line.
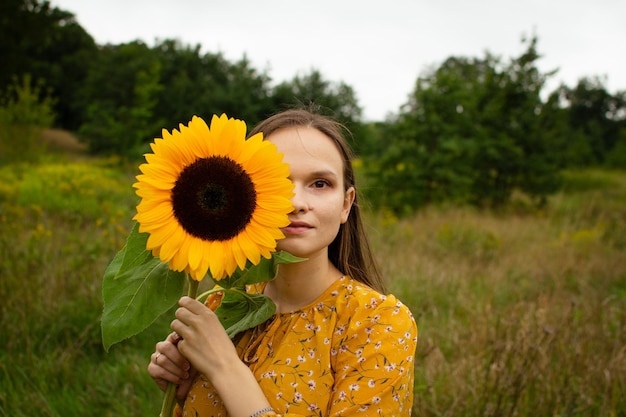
336,345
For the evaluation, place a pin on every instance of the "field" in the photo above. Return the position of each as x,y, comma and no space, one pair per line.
521,312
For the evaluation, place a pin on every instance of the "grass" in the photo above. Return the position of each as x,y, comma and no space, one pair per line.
62,140
520,313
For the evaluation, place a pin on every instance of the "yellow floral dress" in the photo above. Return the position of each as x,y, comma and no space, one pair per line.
350,352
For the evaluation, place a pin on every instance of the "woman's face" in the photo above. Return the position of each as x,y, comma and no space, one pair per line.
321,203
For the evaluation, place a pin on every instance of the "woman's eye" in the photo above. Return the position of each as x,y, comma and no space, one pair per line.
320,184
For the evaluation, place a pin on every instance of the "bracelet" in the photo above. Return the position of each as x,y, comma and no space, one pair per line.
262,411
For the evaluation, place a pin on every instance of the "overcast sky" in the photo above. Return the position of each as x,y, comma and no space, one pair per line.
377,47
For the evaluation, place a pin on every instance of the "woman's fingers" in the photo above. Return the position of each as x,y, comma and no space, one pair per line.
173,338
167,364
161,376
193,313
194,306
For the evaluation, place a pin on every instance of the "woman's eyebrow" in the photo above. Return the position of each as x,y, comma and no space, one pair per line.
323,173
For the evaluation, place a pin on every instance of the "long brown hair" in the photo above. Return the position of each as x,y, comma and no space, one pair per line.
350,251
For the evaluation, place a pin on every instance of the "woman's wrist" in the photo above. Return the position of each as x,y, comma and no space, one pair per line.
235,379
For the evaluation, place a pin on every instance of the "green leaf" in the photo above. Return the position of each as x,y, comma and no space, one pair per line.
137,288
134,252
283,257
240,311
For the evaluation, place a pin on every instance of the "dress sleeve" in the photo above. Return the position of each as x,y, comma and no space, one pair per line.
373,359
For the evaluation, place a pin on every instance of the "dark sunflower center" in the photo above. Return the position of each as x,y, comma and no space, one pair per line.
214,198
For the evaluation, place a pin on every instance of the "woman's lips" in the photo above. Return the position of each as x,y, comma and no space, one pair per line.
296,228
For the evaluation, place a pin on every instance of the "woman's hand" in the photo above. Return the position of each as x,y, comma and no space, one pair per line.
210,351
167,365
204,342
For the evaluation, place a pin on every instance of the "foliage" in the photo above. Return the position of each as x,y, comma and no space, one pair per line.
120,117
71,190
196,83
471,133
47,43
23,117
137,288
173,82
595,118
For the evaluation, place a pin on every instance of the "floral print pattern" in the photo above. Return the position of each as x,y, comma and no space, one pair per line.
348,353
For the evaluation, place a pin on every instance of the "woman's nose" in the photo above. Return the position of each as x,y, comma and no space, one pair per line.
299,200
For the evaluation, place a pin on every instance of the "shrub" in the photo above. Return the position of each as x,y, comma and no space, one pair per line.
24,113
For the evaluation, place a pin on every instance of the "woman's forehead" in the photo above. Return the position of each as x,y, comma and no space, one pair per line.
304,141
308,149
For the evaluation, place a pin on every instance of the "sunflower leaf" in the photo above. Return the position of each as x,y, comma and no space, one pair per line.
133,253
136,289
239,311
283,257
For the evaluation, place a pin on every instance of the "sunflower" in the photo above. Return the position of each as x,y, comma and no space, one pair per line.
212,200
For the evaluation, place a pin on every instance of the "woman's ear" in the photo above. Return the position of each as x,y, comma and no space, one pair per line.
348,201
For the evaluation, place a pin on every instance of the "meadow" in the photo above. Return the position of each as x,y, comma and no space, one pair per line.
521,312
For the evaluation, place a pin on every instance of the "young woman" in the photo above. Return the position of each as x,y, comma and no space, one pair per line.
337,346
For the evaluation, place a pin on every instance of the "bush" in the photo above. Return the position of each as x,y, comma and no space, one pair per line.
24,113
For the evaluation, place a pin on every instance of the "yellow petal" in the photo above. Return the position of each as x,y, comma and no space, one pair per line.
195,256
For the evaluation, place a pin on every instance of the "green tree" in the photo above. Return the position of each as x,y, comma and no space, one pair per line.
205,84
47,43
530,164
122,89
247,93
574,150
596,115
471,133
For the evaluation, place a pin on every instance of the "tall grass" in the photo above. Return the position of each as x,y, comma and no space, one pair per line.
60,224
520,313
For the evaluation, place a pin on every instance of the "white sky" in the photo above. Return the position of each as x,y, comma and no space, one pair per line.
377,47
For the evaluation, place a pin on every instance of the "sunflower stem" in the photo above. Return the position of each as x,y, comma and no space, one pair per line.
168,401
213,290
193,287
167,409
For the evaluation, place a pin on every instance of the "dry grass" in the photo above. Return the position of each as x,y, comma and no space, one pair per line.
519,314
62,140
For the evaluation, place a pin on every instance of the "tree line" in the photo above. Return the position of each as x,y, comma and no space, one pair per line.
473,131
